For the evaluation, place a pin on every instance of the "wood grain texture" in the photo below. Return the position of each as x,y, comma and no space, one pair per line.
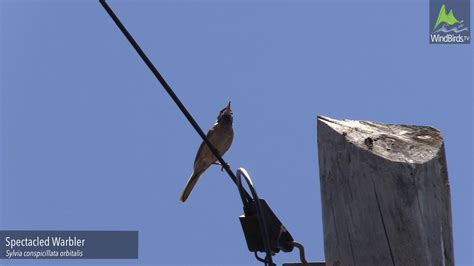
385,194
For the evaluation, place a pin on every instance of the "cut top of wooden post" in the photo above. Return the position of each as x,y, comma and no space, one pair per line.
400,143
385,194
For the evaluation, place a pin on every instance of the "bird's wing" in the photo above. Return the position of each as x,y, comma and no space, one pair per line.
210,135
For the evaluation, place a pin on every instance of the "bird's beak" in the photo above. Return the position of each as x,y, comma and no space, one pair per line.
227,108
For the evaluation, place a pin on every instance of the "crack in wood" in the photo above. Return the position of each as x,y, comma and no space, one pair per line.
383,223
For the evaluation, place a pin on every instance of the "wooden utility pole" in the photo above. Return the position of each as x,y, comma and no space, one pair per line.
385,194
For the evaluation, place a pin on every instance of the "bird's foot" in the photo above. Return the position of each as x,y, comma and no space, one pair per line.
222,166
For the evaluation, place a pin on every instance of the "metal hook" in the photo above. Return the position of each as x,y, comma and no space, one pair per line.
301,250
261,220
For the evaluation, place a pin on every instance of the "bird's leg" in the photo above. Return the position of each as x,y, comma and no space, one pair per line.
218,163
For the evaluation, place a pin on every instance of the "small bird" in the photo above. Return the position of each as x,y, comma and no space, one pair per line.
220,135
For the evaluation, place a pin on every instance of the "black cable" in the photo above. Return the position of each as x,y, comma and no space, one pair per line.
170,92
259,259
261,219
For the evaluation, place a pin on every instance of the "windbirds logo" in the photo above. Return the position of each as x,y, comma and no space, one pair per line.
448,22
448,28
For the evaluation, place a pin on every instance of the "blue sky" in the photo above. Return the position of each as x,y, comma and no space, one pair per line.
91,141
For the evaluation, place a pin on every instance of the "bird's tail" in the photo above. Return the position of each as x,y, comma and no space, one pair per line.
190,185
